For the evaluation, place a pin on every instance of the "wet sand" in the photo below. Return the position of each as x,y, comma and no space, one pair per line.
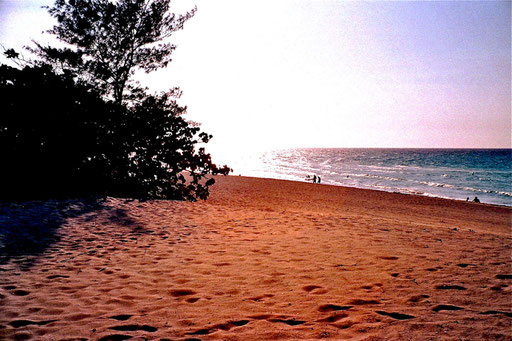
260,259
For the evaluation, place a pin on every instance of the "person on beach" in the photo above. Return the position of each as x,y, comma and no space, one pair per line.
314,178
311,178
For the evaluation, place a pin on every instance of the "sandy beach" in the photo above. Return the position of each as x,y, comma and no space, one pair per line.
260,259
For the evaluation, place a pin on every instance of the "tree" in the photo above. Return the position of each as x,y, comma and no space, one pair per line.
51,132
97,130
108,41
162,160
67,141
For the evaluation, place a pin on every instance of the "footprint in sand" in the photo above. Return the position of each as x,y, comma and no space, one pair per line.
77,317
261,317
333,318
260,298
182,292
333,307
498,287
396,316
371,286
122,317
115,337
57,276
278,319
23,323
313,289
417,298
134,327
345,324
182,281
358,301
388,257
441,307
450,287
495,312
290,322
221,326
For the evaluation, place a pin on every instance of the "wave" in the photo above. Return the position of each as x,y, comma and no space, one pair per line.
294,174
508,194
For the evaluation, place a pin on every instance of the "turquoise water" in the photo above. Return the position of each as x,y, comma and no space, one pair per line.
447,173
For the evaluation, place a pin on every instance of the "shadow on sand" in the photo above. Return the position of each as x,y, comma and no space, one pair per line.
29,229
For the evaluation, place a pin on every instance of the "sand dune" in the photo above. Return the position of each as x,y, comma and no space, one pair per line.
260,259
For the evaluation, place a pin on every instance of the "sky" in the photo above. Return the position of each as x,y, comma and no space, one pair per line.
322,73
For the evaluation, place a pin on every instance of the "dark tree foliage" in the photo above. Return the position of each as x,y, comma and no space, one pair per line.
76,122
50,129
60,139
160,151
109,40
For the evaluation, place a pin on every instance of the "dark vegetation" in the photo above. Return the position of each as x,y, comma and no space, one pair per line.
74,122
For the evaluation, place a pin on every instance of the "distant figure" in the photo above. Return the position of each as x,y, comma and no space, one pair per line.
476,199
467,199
319,179
314,179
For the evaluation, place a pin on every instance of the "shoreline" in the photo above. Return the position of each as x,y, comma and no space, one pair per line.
260,259
454,174
376,190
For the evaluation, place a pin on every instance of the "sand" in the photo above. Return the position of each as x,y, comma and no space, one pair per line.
261,259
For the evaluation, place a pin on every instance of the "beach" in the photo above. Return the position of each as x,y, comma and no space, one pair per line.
260,259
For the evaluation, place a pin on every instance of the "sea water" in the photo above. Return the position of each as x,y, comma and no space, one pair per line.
446,173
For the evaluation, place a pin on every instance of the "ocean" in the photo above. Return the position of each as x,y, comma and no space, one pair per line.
445,173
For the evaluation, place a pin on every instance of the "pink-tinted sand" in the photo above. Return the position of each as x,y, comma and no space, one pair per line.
267,259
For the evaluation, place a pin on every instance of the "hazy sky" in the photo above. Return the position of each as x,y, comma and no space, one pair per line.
274,74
